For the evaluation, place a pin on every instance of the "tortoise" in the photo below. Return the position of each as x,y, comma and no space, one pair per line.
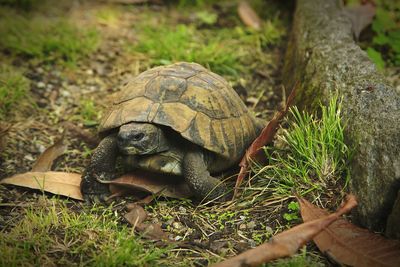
179,119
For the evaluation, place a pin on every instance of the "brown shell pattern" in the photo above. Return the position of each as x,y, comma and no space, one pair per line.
192,100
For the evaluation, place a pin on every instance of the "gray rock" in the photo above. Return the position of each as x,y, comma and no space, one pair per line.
324,58
393,222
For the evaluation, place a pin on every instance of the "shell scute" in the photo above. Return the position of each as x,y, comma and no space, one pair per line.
198,104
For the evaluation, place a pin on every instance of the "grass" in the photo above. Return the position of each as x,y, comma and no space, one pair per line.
312,155
225,50
166,44
108,15
45,39
50,234
299,260
88,113
14,89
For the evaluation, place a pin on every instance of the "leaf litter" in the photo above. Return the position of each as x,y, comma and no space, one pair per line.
349,244
287,242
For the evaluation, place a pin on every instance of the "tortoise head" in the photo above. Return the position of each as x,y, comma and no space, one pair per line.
136,138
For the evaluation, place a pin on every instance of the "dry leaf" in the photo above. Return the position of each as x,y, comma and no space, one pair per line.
361,16
248,15
136,216
288,242
151,183
255,152
46,159
352,245
59,183
153,231
144,201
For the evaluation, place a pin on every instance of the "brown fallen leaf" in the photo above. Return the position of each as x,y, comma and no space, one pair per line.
136,216
151,183
288,242
46,159
144,201
351,245
249,16
59,183
255,151
361,16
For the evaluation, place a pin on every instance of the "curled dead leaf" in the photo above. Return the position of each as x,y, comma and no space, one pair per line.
255,151
351,245
46,159
288,242
150,183
249,16
136,217
361,16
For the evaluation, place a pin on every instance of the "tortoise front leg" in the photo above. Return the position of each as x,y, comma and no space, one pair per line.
202,184
101,166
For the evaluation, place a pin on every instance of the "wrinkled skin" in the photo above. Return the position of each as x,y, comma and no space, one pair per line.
148,146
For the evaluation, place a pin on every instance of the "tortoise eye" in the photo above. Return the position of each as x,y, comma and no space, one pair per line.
138,136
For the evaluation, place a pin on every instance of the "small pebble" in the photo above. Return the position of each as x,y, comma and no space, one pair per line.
41,85
89,72
29,157
269,230
65,93
178,237
182,209
177,225
41,148
251,225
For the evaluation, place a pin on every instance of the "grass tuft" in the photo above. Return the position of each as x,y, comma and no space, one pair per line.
14,87
46,39
313,155
88,112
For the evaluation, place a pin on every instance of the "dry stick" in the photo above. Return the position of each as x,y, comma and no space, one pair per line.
255,152
288,242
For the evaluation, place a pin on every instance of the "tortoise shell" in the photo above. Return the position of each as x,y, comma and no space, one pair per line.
195,102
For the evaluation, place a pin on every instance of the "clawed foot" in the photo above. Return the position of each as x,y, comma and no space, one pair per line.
96,198
94,191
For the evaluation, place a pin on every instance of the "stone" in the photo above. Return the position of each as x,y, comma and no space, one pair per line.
323,56
251,225
393,222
